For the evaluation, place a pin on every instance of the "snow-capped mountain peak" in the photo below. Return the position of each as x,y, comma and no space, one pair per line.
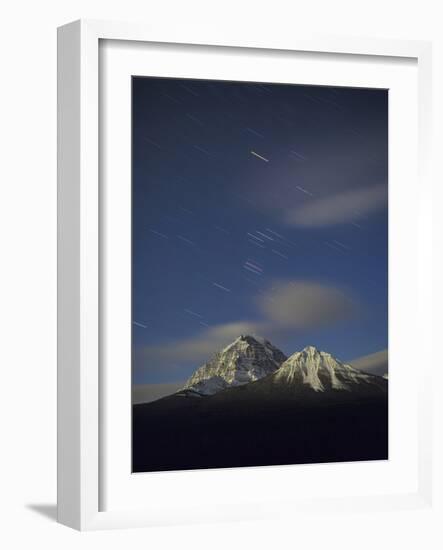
320,371
245,360
251,358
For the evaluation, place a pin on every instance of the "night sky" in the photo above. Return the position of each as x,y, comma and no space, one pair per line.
257,208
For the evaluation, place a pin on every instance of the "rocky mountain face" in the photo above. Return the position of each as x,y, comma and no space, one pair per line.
249,359
320,371
252,406
246,360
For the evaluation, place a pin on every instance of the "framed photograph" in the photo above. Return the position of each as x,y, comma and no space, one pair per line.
246,249
242,258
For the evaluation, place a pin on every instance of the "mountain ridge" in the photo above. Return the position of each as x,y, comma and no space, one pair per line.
249,359
246,359
310,409
321,371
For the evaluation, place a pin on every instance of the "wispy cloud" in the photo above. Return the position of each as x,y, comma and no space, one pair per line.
202,346
305,304
375,363
284,307
145,393
343,207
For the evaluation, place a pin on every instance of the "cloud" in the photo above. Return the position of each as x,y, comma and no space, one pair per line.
375,363
344,207
305,304
202,346
286,306
144,393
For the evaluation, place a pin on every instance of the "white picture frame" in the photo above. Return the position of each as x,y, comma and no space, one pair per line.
80,436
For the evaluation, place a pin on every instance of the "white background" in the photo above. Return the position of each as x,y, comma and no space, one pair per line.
28,272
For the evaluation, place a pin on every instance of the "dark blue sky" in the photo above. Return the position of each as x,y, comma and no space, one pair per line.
257,207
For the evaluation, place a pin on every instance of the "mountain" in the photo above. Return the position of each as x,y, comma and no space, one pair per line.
321,372
245,360
307,378
251,359
256,407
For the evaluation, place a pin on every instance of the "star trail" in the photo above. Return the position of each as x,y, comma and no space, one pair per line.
241,190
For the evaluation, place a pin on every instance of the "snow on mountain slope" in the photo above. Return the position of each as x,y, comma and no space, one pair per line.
246,360
320,371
